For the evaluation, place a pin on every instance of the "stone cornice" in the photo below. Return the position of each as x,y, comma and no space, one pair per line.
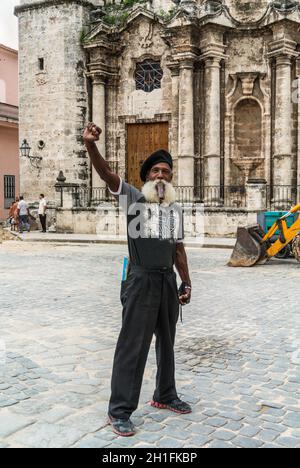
48,3
283,47
185,59
274,13
9,49
173,65
221,19
102,27
109,47
102,73
9,112
213,51
141,11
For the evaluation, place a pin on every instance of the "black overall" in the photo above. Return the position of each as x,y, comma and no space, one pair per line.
150,306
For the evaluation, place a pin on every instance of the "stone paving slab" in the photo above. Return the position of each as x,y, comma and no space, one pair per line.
36,236
237,352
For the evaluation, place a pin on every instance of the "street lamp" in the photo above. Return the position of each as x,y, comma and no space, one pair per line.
25,153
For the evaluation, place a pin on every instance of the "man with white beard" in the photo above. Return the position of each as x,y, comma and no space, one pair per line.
149,294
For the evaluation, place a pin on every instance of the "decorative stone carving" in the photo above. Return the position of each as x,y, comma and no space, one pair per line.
41,79
247,80
147,35
213,8
285,5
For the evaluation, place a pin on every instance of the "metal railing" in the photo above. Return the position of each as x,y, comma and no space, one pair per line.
213,196
86,197
282,197
235,196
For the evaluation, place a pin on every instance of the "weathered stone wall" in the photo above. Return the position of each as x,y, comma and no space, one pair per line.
136,105
53,101
247,51
109,222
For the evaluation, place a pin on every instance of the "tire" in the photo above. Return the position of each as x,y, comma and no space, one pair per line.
285,252
296,248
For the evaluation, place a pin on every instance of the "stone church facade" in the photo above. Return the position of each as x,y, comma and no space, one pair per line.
214,82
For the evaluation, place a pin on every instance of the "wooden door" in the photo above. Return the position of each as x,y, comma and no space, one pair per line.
142,140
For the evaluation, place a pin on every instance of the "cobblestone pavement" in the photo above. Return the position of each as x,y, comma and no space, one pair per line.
238,358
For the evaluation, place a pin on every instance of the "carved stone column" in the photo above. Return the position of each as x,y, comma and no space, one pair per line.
296,98
213,52
174,68
186,149
212,145
99,101
283,51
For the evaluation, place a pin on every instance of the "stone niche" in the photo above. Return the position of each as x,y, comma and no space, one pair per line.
247,10
247,138
247,128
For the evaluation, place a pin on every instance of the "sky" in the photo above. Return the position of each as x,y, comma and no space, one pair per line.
8,23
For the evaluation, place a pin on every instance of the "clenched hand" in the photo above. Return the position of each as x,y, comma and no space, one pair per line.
92,133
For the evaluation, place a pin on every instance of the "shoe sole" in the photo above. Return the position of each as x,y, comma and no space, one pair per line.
122,434
155,404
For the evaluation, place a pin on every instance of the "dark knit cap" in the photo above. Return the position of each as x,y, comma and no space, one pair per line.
160,156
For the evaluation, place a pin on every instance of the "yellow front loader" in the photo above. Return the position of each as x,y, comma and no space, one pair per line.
254,246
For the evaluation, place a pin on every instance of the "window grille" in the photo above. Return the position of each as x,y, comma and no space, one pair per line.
148,75
9,190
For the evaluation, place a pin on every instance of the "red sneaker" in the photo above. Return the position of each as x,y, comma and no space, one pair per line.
177,405
122,427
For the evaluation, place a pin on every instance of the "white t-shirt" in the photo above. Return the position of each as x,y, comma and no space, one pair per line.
42,206
23,207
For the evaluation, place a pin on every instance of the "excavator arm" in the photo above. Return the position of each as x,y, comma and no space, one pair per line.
254,246
287,234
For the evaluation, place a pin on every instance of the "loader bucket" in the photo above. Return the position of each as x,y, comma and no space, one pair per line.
249,249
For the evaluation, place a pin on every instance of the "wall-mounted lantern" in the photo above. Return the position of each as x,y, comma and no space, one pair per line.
25,153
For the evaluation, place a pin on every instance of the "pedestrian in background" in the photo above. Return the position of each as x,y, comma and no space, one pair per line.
13,215
42,212
23,215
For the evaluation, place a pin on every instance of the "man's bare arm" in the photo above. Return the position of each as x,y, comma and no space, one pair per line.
181,264
91,135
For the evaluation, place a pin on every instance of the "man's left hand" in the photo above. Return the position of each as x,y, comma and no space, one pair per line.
185,293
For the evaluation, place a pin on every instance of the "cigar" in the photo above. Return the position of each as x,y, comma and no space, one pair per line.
160,190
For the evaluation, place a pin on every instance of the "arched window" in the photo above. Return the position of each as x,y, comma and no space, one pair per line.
148,75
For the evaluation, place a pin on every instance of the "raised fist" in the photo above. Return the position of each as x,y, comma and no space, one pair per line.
91,133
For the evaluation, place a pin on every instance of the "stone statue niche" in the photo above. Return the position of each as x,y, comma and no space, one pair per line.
247,124
247,142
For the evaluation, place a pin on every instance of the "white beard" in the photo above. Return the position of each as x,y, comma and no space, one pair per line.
151,195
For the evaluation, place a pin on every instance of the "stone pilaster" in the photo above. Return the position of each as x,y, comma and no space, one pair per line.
212,144
213,52
174,67
99,99
296,98
186,150
283,51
